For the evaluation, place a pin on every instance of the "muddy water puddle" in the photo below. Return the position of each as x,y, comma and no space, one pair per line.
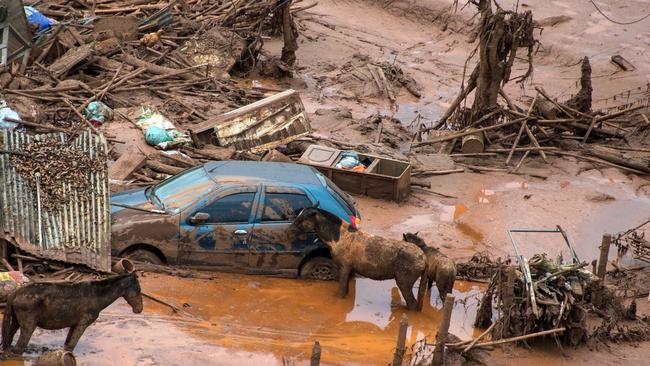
255,320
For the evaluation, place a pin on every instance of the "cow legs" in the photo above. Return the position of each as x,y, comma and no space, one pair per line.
11,333
26,330
344,281
405,285
445,287
74,335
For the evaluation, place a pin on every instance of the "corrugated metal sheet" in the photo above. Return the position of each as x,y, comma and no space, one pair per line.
79,232
259,126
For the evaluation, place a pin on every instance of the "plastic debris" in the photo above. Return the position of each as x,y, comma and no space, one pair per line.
160,131
97,113
349,159
36,18
149,118
155,135
6,112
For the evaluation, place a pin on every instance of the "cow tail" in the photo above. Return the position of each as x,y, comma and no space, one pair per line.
8,323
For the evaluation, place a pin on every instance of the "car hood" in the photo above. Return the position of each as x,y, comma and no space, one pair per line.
139,223
132,197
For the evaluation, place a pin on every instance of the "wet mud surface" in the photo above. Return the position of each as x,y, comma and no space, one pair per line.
255,320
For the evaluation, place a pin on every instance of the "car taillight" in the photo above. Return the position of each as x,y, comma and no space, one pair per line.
356,222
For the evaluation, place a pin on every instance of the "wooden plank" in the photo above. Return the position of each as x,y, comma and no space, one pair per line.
624,64
126,165
70,59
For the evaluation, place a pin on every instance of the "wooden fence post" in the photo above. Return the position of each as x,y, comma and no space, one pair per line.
597,296
441,337
604,255
315,354
398,357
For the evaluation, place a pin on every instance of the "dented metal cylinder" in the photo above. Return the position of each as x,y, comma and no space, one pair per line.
56,358
123,266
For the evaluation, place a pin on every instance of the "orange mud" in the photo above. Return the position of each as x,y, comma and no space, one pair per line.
256,320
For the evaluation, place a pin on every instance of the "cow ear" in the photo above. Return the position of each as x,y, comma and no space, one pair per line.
305,213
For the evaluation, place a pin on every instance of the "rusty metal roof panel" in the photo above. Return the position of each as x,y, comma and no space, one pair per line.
79,231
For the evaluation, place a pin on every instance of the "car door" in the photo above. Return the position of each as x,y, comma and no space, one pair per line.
215,233
271,249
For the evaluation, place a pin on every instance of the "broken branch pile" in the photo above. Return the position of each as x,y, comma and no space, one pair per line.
545,126
78,61
539,296
479,268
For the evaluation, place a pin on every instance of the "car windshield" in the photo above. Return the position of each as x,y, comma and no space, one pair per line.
179,191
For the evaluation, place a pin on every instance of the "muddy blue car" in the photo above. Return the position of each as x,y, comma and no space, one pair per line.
230,216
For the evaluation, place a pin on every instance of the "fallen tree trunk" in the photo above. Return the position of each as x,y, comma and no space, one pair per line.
614,157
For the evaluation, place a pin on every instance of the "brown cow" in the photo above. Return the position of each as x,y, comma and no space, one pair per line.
440,268
64,305
367,255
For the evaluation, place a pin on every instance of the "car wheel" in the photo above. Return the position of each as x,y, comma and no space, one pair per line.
320,268
144,255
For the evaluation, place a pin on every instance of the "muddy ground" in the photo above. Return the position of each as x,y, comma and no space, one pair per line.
255,320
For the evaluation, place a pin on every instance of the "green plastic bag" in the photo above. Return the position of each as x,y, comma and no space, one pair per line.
155,135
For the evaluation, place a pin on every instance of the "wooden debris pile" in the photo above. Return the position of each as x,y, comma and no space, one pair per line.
376,79
84,58
478,268
544,126
39,270
542,296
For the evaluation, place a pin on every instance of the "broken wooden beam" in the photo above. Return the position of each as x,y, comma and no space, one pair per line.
124,167
163,168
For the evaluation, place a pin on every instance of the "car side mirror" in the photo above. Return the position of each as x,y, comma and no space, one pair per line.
199,218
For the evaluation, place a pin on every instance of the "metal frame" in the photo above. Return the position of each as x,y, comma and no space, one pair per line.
7,32
558,229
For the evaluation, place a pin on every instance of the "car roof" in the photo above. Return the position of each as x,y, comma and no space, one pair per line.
237,171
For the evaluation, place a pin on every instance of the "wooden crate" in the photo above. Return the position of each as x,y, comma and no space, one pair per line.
384,178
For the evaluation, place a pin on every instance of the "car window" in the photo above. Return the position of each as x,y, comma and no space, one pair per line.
283,206
183,189
229,209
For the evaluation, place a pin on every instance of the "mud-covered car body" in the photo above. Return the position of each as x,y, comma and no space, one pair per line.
227,216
